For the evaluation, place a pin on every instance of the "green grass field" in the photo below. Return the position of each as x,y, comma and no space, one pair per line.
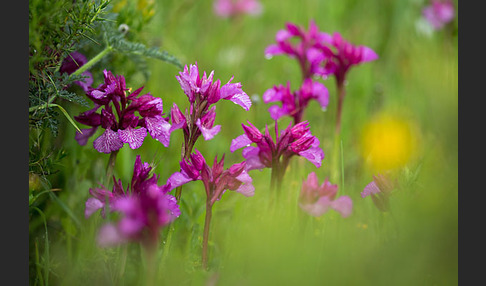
415,80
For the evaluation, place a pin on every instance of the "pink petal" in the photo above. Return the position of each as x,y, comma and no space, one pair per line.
108,142
109,235
92,205
314,154
208,133
343,205
134,137
367,54
240,142
371,188
317,209
247,189
87,133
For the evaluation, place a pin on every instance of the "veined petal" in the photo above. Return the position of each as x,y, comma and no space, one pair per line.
134,137
108,142
240,142
159,129
242,99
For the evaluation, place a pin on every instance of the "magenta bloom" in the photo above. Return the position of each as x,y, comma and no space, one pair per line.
345,55
270,153
119,119
317,199
145,208
232,8
72,63
304,45
215,179
380,190
202,93
294,104
439,13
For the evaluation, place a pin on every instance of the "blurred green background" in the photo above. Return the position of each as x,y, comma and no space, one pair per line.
414,79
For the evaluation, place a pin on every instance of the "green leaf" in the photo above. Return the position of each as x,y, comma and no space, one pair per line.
67,116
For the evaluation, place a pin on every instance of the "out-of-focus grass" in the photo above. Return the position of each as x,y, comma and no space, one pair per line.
250,244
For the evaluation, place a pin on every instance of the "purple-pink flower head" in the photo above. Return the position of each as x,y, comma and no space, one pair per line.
296,140
308,50
346,55
439,13
126,118
317,199
380,190
72,63
232,8
204,91
145,208
294,104
215,179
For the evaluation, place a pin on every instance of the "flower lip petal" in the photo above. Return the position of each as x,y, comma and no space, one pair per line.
134,137
108,142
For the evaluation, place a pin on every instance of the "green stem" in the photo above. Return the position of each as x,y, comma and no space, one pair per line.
111,166
167,243
335,174
93,61
207,222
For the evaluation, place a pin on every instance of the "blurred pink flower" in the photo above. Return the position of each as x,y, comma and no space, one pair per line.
294,103
316,199
380,190
145,208
229,8
439,13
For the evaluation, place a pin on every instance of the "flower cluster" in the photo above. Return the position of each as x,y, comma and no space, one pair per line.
317,199
318,53
145,206
232,8
294,104
309,50
125,118
275,154
216,180
439,13
202,93
345,55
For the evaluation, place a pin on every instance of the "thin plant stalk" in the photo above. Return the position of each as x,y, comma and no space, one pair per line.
111,165
207,222
335,171
93,61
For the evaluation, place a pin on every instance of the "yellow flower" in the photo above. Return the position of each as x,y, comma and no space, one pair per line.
388,142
